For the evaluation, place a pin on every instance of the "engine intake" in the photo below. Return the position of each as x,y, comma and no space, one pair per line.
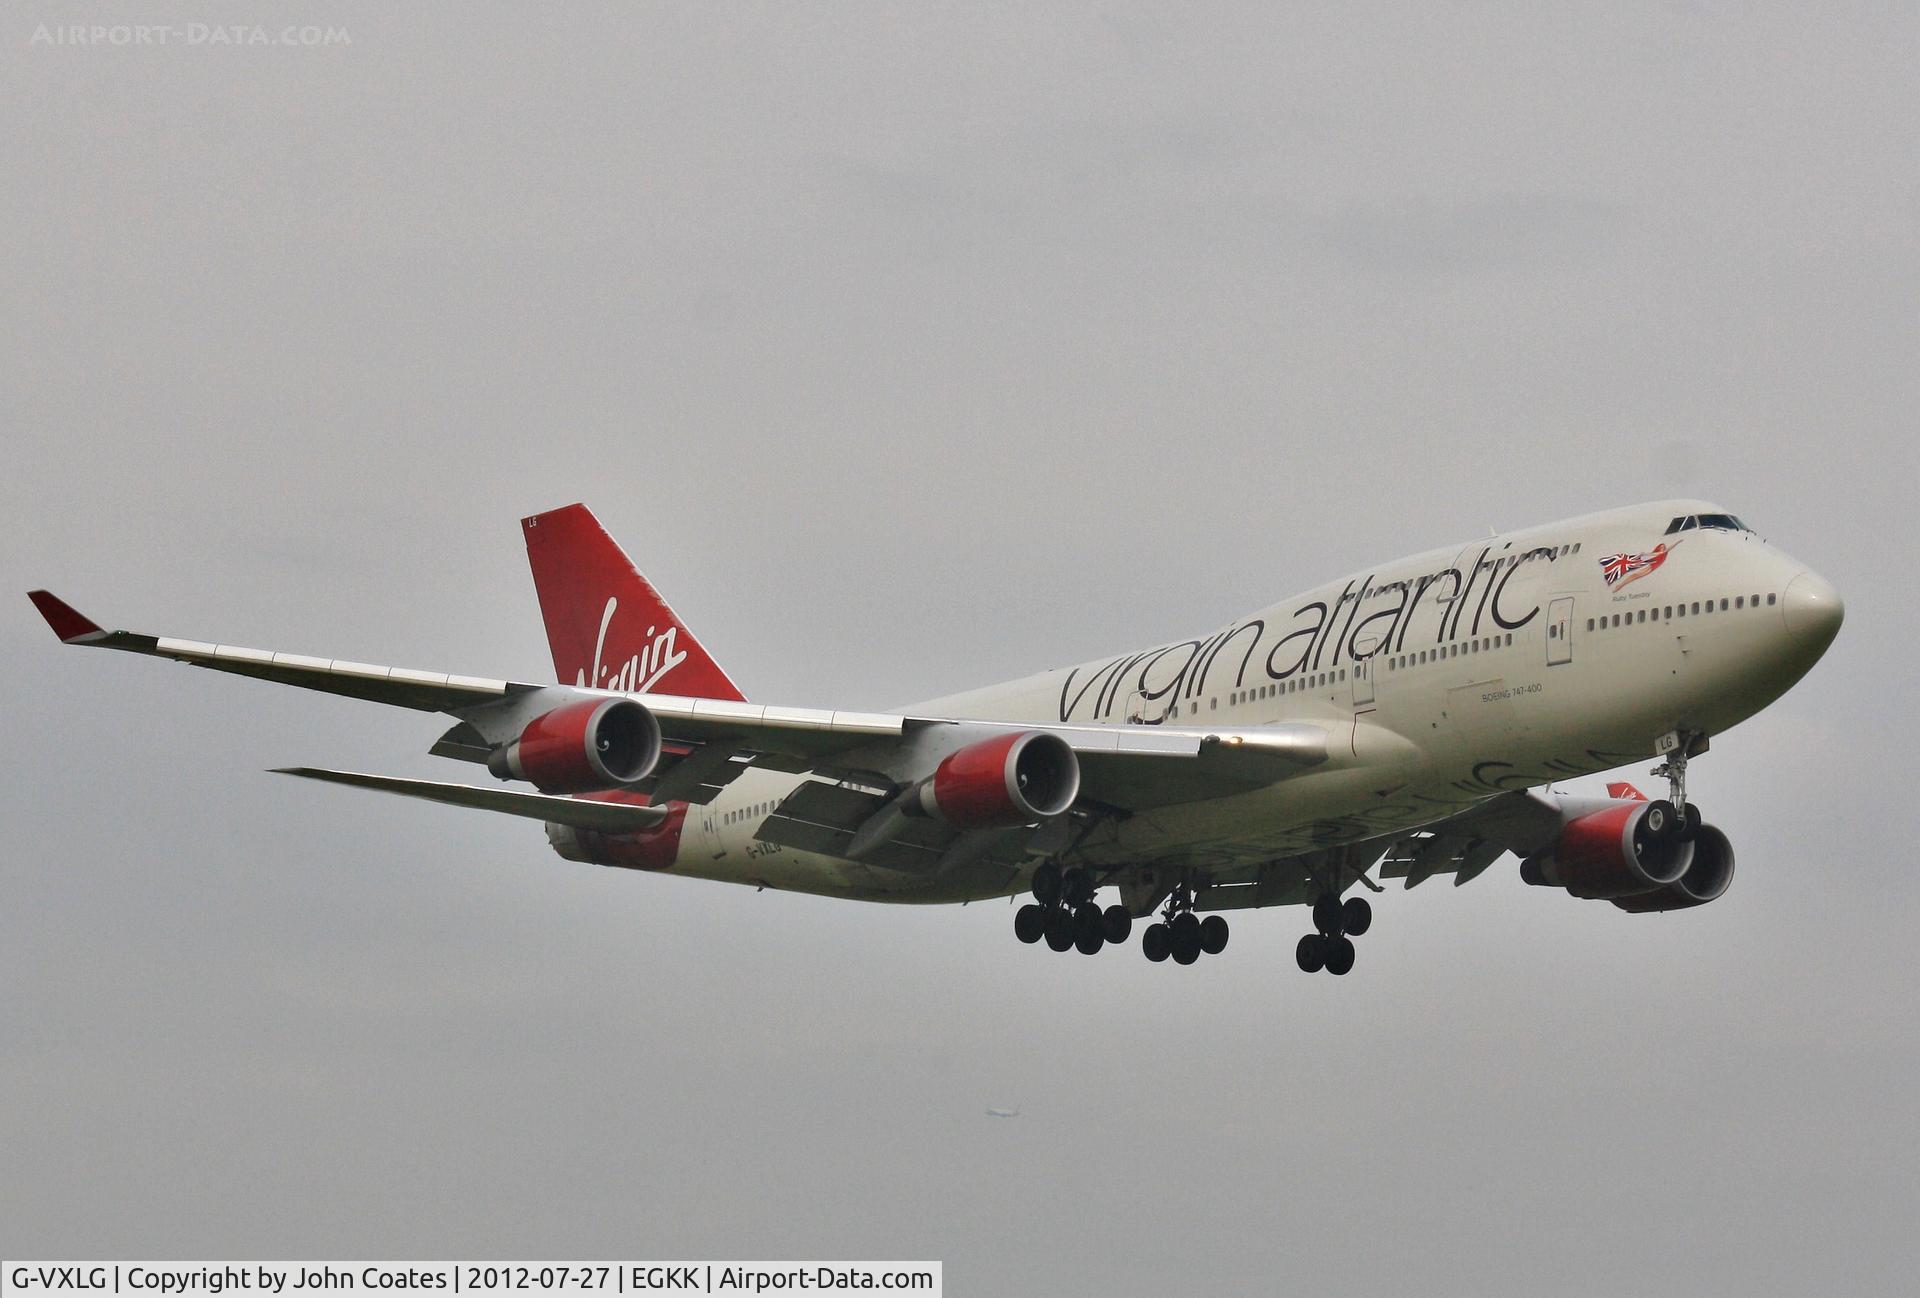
1007,780
1705,879
582,747
1625,849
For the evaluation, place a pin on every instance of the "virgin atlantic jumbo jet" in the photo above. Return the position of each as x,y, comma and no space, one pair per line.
1403,722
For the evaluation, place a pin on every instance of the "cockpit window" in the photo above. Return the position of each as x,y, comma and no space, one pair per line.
1724,522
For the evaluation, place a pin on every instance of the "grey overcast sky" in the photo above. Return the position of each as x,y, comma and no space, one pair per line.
911,347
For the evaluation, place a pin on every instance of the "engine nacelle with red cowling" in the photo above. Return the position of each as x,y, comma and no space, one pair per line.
1007,780
1625,848
1706,877
582,747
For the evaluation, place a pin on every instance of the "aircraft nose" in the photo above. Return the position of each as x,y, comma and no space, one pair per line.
1812,609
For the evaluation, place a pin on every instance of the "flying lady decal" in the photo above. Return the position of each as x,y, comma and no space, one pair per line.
1625,569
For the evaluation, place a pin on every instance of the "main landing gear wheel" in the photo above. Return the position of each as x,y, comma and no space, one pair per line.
1339,953
1182,934
1063,912
1186,945
1336,924
1030,923
1059,930
1157,942
1662,821
1689,822
1089,929
1311,954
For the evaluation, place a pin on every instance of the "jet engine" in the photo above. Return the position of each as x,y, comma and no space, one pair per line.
582,747
1006,780
1706,877
1624,849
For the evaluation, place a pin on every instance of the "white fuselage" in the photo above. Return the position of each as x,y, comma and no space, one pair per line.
1451,677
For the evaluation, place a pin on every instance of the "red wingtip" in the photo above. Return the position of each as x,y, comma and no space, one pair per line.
1621,789
66,623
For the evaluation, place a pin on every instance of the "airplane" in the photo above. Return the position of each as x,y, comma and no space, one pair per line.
1003,1113
1406,721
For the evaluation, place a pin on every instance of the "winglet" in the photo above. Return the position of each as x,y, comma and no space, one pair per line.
68,624
1621,789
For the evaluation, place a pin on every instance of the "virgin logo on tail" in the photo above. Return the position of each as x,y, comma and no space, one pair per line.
639,673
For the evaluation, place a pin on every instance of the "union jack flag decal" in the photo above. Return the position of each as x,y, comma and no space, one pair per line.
1620,569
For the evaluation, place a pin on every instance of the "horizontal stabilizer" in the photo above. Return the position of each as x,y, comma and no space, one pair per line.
602,817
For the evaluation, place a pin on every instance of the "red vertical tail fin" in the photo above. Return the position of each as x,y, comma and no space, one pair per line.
606,624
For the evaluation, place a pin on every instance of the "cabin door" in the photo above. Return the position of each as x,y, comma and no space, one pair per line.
1560,632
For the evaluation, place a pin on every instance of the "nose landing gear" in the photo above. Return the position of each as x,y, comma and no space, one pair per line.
1678,746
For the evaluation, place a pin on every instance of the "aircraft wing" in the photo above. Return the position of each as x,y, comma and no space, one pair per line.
712,741
1522,822
581,813
426,691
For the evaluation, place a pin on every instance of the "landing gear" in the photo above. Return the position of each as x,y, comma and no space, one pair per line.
1182,934
1063,912
1336,924
1678,746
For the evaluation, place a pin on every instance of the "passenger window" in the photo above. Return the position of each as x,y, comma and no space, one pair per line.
1740,601
1723,606
1696,608
1770,598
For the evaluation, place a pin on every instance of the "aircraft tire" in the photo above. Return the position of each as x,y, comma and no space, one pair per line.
1156,943
1327,916
1689,823
1663,822
1213,934
1356,916
1311,954
1186,947
1119,923
1076,888
1030,923
1046,884
1059,930
1090,943
1089,922
1339,956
